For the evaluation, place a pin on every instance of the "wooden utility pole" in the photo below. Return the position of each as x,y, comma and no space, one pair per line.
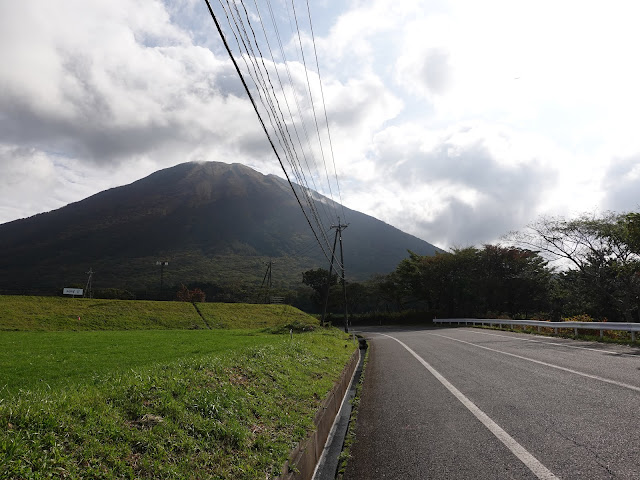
326,296
267,279
339,228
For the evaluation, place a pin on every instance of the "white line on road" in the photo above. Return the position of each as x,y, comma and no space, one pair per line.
587,375
511,337
532,463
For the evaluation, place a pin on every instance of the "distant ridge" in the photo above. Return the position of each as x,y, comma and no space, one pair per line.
213,222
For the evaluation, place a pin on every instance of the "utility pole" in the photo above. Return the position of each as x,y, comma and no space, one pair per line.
339,228
326,296
162,264
267,279
88,290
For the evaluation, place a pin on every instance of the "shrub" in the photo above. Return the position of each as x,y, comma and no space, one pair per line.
186,295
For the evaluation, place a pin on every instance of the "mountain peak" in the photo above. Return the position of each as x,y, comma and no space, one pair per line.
216,221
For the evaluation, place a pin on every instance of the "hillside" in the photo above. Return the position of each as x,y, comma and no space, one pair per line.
213,222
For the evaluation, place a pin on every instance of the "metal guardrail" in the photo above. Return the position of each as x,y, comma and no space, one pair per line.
634,328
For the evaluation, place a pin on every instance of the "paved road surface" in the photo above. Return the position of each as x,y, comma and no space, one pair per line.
470,403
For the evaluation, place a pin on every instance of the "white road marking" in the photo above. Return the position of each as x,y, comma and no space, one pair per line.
539,362
532,463
554,343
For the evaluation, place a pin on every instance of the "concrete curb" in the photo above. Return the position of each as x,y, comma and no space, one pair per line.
304,458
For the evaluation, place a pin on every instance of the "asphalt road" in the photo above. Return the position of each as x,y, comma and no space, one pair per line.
471,403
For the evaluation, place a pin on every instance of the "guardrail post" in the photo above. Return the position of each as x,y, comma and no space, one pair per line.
601,334
555,329
575,331
539,329
633,336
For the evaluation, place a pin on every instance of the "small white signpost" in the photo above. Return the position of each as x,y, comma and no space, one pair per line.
72,291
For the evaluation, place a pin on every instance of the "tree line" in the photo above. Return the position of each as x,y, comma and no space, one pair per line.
555,268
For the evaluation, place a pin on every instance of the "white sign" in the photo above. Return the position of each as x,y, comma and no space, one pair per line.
72,291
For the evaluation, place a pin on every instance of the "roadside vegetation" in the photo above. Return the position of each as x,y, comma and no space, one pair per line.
205,403
608,336
556,269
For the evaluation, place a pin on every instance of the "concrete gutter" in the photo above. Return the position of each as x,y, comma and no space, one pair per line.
304,459
328,465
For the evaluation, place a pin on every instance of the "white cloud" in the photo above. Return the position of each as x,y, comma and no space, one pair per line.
622,184
125,82
455,120
466,185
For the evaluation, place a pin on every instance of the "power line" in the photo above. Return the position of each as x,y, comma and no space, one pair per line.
324,105
290,144
306,72
298,170
261,85
293,89
255,107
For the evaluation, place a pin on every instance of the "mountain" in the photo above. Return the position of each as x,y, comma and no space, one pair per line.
213,222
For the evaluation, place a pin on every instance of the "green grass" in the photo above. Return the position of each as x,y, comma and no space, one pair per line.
56,313
244,315
147,390
230,413
29,360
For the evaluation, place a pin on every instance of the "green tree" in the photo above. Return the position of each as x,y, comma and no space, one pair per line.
604,251
471,281
513,280
318,279
389,292
444,283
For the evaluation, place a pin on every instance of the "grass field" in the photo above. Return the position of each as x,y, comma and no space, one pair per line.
29,360
206,403
234,315
56,313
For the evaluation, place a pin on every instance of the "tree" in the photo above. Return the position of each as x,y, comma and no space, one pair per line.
318,279
389,290
513,280
604,250
186,295
631,223
444,283
471,281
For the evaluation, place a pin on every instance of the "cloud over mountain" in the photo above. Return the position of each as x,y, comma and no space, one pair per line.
442,113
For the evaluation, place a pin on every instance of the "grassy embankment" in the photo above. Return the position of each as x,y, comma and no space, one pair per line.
206,403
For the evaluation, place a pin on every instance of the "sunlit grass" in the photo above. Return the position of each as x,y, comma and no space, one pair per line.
56,313
138,389
58,359
232,410
245,315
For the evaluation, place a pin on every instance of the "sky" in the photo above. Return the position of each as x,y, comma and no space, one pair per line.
457,121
